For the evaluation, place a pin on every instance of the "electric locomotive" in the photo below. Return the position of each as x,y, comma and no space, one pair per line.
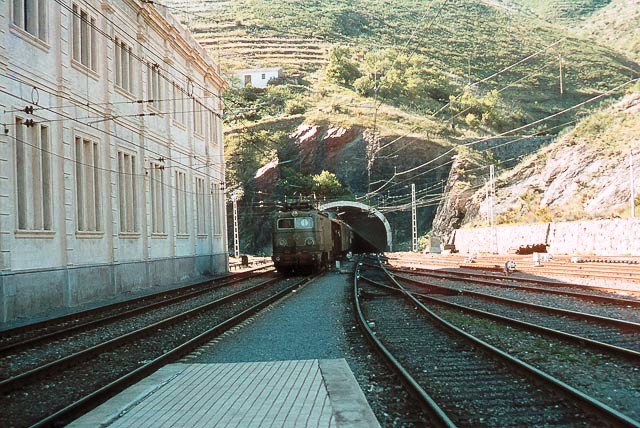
306,239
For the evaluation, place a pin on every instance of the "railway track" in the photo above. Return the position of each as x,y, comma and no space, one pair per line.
464,380
24,337
620,335
588,292
54,392
596,271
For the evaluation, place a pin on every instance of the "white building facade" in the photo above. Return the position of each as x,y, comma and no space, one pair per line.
258,77
111,154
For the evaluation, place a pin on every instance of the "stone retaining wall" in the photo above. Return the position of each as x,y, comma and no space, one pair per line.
33,293
612,237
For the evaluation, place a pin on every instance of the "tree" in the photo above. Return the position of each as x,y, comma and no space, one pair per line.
341,69
327,185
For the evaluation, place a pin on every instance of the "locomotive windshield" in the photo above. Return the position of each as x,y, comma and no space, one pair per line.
304,223
285,223
295,223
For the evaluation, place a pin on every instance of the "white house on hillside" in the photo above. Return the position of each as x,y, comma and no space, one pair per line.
111,155
258,77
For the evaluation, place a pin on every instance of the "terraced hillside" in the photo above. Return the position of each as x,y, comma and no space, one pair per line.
467,40
233,39
292,54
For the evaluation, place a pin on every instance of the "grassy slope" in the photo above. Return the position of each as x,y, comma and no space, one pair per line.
614,23
468,39
466,36
618,26
562,10
585,174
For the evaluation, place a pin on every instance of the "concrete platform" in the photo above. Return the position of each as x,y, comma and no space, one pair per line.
300,393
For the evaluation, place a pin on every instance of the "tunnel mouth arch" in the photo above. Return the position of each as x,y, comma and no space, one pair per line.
356,210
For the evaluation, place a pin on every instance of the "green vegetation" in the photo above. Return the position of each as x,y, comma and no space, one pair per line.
616,26
563,9
341,69
436,73
323,186
327,185
433,49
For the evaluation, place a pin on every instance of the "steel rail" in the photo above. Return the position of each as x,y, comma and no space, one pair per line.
581,340
625,352
62,363
472,277
536,374
81,406
65,332
628,273
417,390
628,325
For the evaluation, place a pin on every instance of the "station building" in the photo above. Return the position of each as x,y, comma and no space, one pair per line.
111,153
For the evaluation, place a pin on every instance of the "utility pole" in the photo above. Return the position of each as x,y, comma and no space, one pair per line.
414,220
561,85
633,192
236,240
487,213
492,189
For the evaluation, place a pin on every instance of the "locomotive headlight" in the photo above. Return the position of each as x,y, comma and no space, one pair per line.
282,242
309,241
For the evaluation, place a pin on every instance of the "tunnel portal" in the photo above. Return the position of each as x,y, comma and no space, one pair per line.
371,228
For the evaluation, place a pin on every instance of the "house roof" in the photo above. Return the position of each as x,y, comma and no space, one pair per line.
259,70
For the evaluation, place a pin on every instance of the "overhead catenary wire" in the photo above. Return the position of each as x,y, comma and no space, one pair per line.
487,149
158,55
115,136
520,128
495,74
109,170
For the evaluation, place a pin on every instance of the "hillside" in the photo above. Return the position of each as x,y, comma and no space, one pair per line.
493,45
583,175
617,26
560,11
613,23
408,81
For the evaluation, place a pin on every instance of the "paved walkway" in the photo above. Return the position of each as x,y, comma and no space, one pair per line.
302,393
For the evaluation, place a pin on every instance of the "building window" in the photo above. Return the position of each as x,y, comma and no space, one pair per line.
213,130
33,181
157,197
264,76
217,214
178,104
124,65
84,38
31,16
198,110
181,202
154,87
127,192
88,185
200,206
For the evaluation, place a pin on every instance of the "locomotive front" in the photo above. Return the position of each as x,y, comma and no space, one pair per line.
301,240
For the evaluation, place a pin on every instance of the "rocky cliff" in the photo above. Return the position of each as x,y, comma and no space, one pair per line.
583,175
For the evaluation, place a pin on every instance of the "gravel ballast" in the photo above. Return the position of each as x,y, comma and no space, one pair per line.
317,322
